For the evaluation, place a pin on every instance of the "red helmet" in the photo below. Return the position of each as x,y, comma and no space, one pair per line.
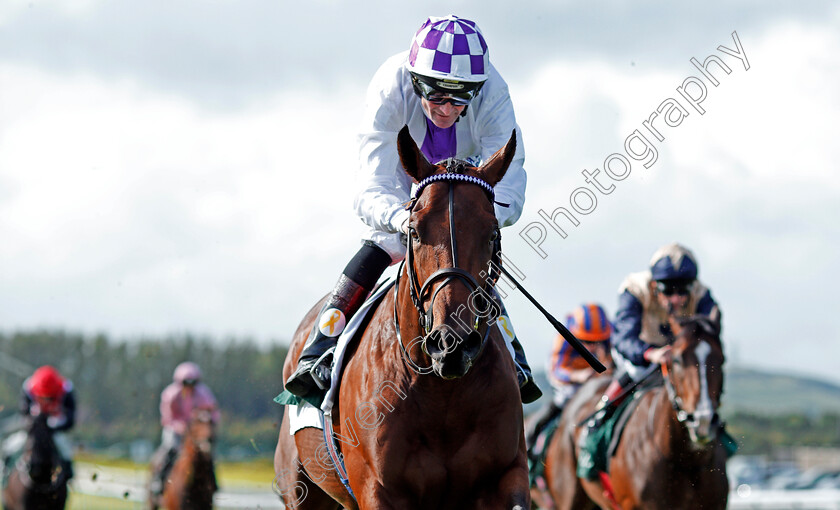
46,382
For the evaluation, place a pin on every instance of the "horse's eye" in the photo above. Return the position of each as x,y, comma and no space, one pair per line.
494,236
414,235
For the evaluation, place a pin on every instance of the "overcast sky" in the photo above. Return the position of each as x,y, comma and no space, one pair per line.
171,167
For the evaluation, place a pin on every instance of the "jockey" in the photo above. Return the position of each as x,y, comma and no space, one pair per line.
568,370
47,391
177,402
646,300
455,104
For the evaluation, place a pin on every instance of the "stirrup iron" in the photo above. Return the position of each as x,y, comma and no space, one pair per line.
321,365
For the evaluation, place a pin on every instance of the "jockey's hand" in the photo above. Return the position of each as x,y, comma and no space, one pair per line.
404,226
659,355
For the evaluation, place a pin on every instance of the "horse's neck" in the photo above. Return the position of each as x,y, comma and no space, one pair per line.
187,455
41,454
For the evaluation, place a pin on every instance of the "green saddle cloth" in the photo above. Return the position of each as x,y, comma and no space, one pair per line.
536,461
289,399
592,458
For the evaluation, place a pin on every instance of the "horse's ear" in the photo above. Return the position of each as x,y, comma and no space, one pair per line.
412,159
495,168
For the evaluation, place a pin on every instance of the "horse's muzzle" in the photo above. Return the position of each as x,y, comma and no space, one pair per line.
452,353
702,427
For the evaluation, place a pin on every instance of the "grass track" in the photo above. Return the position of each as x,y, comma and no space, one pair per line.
84,502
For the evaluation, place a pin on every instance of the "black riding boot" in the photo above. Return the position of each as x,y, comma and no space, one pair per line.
312,376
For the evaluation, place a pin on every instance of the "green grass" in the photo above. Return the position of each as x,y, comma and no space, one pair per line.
257,475
84,502
229,474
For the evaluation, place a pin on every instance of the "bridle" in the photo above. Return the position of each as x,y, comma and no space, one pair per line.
683,416
448,274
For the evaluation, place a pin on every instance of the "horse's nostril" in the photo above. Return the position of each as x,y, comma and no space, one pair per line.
440,341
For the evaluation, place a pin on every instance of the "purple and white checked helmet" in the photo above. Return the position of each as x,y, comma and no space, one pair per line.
451,49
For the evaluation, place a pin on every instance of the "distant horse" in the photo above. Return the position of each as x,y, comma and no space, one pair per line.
429,411
670,456
191,482
38,480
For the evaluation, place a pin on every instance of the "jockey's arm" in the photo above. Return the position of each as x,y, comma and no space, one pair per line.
206,400
169,416
383,184
628,326
708,306
67,415
495,122
563,357
25,404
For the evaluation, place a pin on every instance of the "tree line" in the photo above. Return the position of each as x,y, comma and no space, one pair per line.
118,383
118,386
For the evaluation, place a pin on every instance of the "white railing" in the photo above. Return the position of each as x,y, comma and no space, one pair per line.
817,499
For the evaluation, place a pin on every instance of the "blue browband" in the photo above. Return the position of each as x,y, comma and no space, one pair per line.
453,177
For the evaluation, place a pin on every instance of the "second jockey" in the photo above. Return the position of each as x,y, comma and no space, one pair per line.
646,300
177,402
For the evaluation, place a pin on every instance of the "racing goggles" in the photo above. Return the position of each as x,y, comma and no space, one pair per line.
671,288
440,92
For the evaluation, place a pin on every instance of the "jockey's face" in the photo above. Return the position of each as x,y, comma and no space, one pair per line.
189,386
672,297
442,115
47,405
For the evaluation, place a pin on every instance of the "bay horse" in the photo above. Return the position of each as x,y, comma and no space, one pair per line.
429,413
38,480
670,456
191,482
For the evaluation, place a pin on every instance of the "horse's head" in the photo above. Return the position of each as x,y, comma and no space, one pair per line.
452,235
201,430
695,376
39,452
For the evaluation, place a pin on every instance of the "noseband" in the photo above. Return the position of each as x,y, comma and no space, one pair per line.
448,274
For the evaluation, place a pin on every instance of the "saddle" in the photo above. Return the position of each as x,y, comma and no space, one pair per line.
599,445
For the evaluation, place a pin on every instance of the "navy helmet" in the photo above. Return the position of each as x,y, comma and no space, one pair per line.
673,262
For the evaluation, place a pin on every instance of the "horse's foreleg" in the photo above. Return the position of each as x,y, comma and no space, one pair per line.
512,493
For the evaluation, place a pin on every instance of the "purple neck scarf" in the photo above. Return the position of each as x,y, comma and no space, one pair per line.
439,143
